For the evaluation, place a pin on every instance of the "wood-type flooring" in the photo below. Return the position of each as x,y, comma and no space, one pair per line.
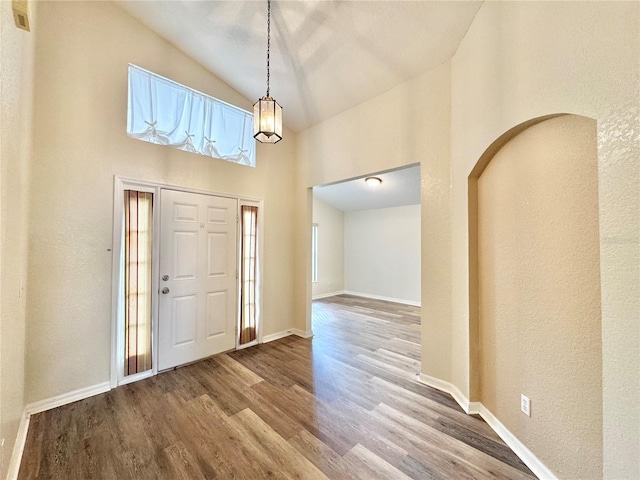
343,405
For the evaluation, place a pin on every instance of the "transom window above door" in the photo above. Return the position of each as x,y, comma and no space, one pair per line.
167,113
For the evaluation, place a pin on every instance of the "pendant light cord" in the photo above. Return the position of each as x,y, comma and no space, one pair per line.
268,40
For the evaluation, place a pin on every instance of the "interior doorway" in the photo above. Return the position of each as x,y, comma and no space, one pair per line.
366,259
367,237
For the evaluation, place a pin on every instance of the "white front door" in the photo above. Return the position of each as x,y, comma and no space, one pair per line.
197,314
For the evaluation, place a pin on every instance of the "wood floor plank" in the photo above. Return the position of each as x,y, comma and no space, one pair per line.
372,466
345,404
184,466
450,445
322,456
287,460
237,371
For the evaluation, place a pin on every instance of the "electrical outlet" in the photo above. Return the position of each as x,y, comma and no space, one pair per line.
525,405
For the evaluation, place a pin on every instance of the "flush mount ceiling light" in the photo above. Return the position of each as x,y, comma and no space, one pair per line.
267,114
373,181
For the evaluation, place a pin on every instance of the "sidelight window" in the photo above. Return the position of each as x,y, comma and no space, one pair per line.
138,235
249,274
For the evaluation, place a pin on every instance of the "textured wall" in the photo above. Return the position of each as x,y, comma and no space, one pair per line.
382,252
539,305
523,60
80,143
330,222
16,97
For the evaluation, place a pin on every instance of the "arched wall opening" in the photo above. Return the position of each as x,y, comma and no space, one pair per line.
535,303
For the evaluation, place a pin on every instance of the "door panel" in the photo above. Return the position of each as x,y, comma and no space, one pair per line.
184,320
197,315
185,255
217,242
216,313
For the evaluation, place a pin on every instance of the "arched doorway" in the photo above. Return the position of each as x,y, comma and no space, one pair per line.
535,314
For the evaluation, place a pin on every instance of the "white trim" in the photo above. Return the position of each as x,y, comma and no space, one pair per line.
477,408
380,297
302,333
41,406
530,460
67,398
171,186
286,333
276,336
252,343
134,377
18,448
449,388
325,295
117,376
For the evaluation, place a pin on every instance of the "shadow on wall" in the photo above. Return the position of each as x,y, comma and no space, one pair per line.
535,305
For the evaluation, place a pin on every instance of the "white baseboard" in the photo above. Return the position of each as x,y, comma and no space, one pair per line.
18,448
530,460
286,333
325,295
449,388
67,398
276,336
380,297
302,333
477,408
41,406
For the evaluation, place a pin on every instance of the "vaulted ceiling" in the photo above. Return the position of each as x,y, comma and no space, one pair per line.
326,56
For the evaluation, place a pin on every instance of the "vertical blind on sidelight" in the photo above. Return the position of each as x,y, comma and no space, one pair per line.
138,234
248,313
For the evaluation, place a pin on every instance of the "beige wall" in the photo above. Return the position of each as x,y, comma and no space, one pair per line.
539,282
405,125
382,252
522,60
16,97
330,222
519,60
80,143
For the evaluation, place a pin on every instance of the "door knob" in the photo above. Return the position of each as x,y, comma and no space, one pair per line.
165,290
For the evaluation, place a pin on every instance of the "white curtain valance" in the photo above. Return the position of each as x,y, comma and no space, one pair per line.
164,112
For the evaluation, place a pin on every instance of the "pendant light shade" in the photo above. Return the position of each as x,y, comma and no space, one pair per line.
267,120
267,114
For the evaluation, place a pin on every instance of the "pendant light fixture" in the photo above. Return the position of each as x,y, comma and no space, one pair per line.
267,114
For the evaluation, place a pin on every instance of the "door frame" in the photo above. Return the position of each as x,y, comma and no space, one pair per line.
121,184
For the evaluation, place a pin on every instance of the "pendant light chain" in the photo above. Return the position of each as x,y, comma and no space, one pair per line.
267,114
268,40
